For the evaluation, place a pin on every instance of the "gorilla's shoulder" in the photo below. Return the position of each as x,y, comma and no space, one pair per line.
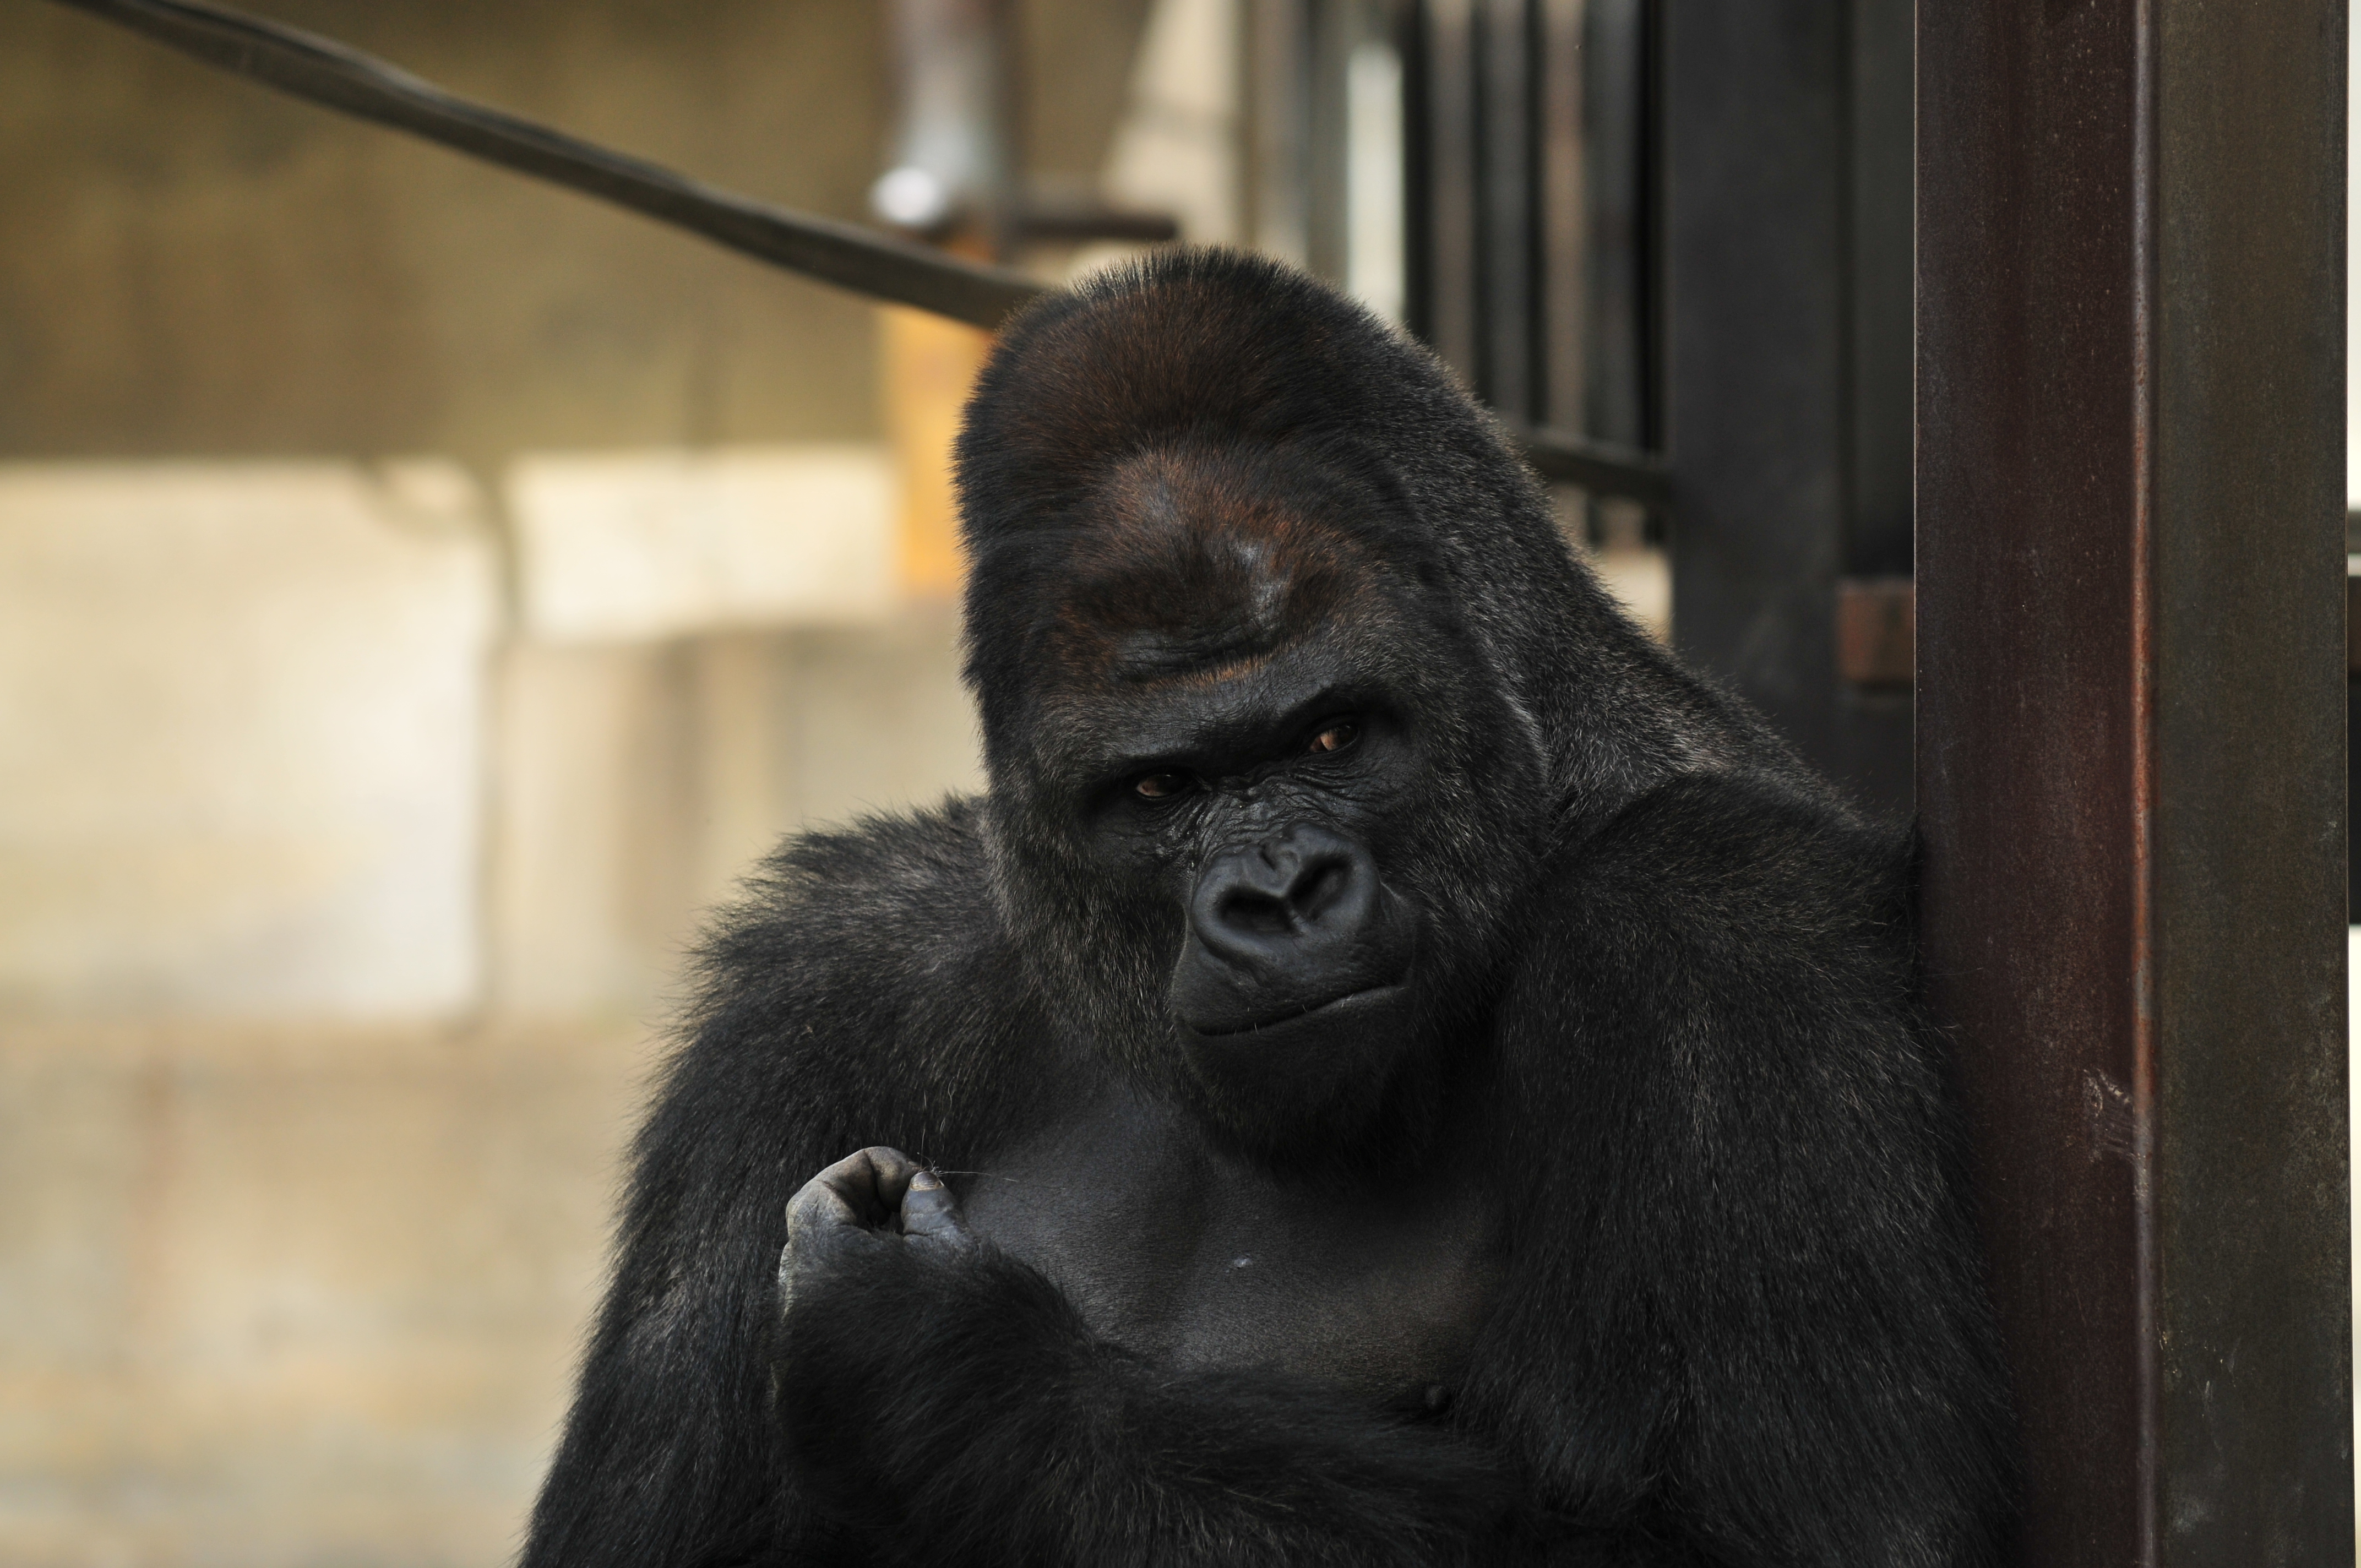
1738,875
1730,960
1719,837
859,958
887,891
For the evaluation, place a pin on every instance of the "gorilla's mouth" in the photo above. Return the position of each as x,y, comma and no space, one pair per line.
1368,998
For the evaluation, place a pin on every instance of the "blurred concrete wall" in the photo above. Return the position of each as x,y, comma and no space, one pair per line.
239,762
342,881
332,903
292,1294
194,265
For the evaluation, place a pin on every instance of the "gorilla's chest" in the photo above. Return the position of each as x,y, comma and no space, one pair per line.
1194,1258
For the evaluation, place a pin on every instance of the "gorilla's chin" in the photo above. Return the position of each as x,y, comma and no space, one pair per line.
1311,1083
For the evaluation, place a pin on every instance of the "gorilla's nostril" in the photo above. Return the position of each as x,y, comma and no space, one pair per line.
1319,886
1306,891
1282,928
1253,914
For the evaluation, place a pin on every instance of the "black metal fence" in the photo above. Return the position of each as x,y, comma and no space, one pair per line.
1530,166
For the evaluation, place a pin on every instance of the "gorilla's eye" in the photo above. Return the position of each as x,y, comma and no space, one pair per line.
1160,786
1334,738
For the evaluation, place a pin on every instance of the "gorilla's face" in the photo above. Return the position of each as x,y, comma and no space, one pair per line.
1255,800
1295,820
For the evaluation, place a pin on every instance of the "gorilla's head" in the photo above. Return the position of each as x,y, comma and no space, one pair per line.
1290,685
1259,793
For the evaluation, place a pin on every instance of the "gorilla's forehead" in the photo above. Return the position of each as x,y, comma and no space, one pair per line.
1190,564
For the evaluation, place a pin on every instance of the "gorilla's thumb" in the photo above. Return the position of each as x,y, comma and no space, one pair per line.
930,1212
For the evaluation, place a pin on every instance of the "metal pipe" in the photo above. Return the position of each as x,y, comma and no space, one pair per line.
329,74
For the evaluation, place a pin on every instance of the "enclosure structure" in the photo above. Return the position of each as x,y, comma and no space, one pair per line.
2131,746
2128,749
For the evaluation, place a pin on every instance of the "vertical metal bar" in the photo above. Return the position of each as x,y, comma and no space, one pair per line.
1650,254
1279,70
1877,199
2130,613
2019,442
1758,243
1614,104
1509,333
2248,568
1450,183
1412,41
1565,324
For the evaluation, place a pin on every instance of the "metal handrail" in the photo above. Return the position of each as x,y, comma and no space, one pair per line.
330,74
336,76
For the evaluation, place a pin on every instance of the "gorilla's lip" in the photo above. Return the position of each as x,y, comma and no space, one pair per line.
1365,995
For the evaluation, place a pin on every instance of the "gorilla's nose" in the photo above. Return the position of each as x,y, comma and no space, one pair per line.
1304,884
1282,927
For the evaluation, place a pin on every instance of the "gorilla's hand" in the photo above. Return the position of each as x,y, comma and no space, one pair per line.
859,1211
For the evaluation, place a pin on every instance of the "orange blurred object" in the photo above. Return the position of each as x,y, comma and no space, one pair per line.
930,362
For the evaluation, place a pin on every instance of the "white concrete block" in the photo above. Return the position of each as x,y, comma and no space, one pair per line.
625,546
882,722
638,784
278,1294
240,716
595,816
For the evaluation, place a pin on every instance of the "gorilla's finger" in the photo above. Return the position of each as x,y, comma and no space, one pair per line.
860,1192
889,1178
930,1212
814,1211
867,1187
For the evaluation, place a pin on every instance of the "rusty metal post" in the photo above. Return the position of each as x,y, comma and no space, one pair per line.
2130,751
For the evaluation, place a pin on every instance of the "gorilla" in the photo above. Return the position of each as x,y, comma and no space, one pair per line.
1392,1069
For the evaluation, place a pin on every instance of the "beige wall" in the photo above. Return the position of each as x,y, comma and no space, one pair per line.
197,265
293,1272
241,752
636,786
194,265
334,942
292,1296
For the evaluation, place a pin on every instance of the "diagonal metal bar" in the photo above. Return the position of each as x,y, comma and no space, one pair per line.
329,74
338,77
1602,468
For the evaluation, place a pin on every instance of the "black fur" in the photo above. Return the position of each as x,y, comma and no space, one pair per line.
1660,1051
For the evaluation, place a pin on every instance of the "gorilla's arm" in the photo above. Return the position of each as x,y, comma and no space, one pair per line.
1747,1320
840,1006
957,1393
864,994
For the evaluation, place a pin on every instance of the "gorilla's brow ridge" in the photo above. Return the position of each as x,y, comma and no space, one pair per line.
1275,699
